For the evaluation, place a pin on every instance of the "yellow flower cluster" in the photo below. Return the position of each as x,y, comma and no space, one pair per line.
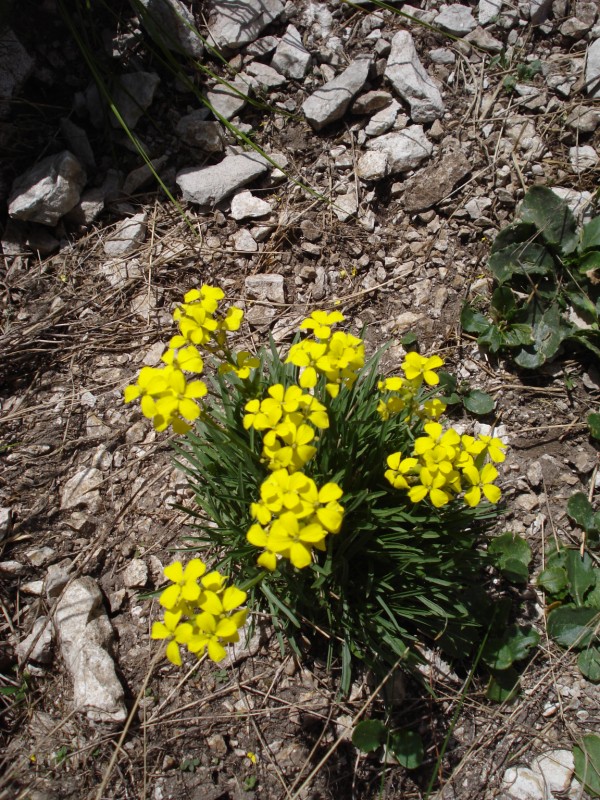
292,517
338,356
287,418
446,464
201,612
166,395
401,394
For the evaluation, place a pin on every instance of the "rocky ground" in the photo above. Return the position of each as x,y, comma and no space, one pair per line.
394,143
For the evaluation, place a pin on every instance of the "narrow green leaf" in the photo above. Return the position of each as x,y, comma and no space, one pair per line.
587,763
573,627
369,734
589,664
478,402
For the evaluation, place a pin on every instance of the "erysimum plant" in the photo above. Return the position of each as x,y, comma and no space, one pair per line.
336,498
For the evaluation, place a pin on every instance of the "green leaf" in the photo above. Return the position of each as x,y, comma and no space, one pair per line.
549,332
554,580
580,510
501,652
478,402
593,598
587,763
516,232
369,734
573,627
503,686
408,339
581,575
492,338
589,664
522,258
472,320
407,747
518,335
593,422
551,216
512,556
590,235
503,302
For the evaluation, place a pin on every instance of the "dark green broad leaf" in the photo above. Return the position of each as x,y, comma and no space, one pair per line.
407,747
369,735
552,217
503,302
503,686
582,304
549,333
589,664
473,321
593,598
522,258
581,574
593,422
554,580
447,388
587,763
501,652
492,338
518,335
590,235
409,339
512,555
518,232
580,510
573,627
478,402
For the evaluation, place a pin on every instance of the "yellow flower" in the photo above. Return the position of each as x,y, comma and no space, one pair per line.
399,469
419,368
481,482
186,358
174,631
494,447
184,583
320,322
288,538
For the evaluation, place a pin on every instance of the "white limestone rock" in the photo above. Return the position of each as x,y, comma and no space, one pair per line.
405,149
128,235
229,99
521,783
330,101
85,635
411,81
135,575
207,186
383,120
172,25
291,58
580,203
488,11
372,166
556,768
133,95
38,645
345,205
232,24
246,206
592,69
244,242
455,19
48,190
82,489
583,158
266,287
199,132
15,67
265,76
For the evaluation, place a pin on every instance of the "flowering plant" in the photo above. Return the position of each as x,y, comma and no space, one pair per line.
334,496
